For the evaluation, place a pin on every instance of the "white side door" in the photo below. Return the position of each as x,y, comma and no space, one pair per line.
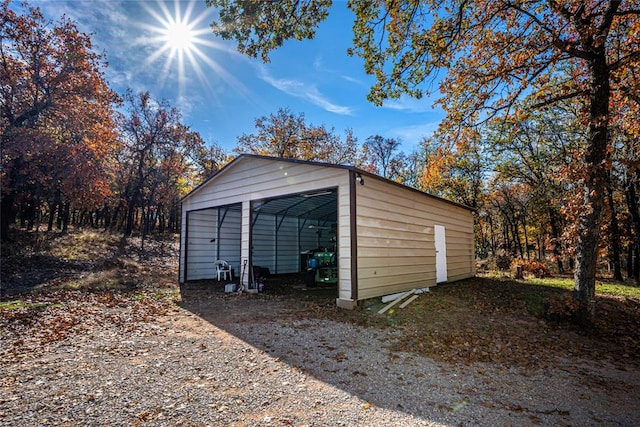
441,254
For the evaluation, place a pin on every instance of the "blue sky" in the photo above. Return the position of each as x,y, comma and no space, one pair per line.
220,92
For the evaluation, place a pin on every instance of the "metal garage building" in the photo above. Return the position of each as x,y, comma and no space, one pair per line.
269,212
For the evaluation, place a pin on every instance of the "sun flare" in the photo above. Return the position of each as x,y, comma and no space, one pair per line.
179,37
176,32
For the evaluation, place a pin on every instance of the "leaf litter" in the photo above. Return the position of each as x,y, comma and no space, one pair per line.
481,323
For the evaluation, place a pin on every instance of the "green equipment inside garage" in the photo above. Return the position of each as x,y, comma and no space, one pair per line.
322,268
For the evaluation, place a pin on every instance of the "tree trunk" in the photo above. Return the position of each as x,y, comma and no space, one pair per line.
162,222
595,178
630,259
526,238
540,244
6,216
143,233
632,204
516,238
52,214
60,215
636,263
614,243
116,213
123,218
65,216
23,215
129,223
30,213
136,218
555,231
106,213
172,215
132,203
492,236
505,236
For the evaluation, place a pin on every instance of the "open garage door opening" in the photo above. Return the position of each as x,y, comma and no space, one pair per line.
294,241
213,234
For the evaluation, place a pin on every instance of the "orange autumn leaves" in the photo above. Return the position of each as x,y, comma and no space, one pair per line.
57,115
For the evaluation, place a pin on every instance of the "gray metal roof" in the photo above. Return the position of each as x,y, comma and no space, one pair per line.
320,205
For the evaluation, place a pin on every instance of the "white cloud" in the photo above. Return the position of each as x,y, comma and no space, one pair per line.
185,105
303,90
109,25
318,65
405,103
352,79
412,135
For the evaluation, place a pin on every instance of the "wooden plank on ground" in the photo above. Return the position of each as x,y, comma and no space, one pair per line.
394,302
407,302
392,297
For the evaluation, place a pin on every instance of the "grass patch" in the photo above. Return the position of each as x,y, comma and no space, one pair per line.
19,304
535,303
619,289
86,246
602,288
507,321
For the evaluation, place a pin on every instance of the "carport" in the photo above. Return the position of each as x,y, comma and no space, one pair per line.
378,236
285,232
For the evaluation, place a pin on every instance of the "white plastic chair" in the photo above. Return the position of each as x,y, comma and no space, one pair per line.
223,269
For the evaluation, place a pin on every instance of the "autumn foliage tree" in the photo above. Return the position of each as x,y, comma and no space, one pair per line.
459,176
158,151
205,159
383,157
286,134
55,117
499,54
494,55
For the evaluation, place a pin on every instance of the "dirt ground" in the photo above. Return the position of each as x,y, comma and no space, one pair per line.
60,293
476,320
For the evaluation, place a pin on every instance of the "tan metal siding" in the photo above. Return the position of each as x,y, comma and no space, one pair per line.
460,253
260,178
395,225
396,248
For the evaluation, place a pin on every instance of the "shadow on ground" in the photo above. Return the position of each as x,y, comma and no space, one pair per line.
389,365
303,328
19,274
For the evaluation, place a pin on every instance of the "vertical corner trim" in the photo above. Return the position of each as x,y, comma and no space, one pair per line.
353,232
186,245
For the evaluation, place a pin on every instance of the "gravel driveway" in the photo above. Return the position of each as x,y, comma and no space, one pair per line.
258,362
